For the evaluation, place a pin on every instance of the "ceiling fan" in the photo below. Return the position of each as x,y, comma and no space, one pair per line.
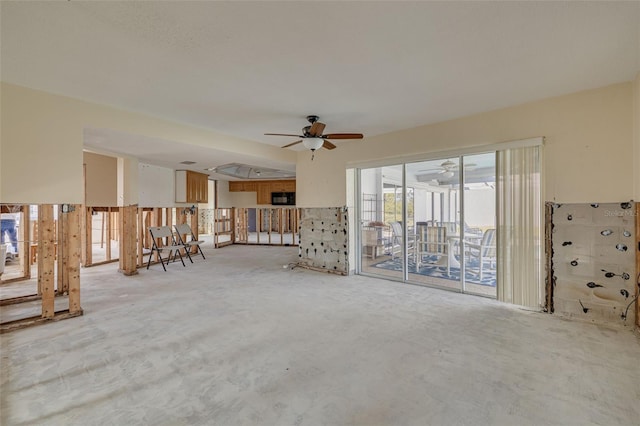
448,168
312,137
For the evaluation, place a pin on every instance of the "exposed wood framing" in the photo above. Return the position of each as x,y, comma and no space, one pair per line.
140,234
24,249
548,251
73,248
127,229
20,299
85,227
62,257
28,322
46,261
194,228
223,224
106,222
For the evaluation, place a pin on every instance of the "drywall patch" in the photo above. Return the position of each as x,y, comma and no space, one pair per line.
324,239
594,261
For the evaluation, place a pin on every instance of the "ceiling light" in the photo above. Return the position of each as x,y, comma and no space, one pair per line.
313,143
448,174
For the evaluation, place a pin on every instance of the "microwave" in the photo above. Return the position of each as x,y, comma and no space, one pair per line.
283,198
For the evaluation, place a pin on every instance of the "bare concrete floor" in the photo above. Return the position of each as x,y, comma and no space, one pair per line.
237,340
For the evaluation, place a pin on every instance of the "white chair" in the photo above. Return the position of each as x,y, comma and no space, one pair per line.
433,243
188,239
396,239
168,245
485,252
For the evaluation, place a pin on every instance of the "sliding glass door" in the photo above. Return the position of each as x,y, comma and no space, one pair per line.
479,248
382,207
434,240
418,225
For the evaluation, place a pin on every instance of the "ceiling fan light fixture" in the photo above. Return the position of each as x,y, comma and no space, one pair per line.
448,174
313,143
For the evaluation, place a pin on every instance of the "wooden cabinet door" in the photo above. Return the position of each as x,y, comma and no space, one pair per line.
203,188
250,186
192,189
264,193
236,186
197,187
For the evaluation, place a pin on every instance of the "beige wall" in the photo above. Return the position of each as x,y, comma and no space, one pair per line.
42,137
589,154
228,199
101,176
41,149
156,186
588,149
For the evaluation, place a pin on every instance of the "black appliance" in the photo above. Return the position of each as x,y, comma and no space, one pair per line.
283,198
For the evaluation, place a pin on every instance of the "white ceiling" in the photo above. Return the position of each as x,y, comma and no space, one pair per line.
246,68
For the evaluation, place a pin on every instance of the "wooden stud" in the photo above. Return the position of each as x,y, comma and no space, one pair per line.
62,253
88,240
127,237
25,248
72,265
46,261
194,228
140,234
548,251
107,225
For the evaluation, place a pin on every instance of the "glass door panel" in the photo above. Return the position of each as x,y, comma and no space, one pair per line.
434,249
479,242
381,228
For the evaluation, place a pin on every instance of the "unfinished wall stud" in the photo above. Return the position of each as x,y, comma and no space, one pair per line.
73,239
127,230
46,258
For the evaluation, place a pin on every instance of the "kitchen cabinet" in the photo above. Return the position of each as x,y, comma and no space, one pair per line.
191,187
242,186
263,188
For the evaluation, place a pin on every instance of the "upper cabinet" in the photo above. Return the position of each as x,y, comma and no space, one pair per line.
263,188
242,186
191,187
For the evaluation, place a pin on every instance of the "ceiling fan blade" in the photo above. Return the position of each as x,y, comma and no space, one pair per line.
328,145
343,136
291,144
283,134
316,129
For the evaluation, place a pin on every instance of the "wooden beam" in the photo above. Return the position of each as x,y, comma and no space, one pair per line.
28,322
46,258
109,230
72,272
88,237
127,236
24,249
548,251
140,234
194,228
62,253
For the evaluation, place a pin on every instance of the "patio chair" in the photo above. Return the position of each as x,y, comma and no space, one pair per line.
434,244
396,239
188,240
484,253
162,232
